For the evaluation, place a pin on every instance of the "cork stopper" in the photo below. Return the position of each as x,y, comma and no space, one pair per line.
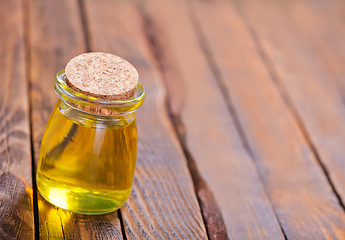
102,75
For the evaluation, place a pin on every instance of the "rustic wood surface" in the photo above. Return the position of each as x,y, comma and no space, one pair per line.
16,194
297,186
241,134
250,213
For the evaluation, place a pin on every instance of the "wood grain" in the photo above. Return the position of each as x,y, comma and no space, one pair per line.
16,205
302,197
163,204
321,35
56,35
207,128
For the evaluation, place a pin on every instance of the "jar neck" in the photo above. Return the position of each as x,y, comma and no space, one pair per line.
95,105
96,112
94,120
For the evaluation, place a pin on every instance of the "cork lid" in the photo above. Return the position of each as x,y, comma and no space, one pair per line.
102,75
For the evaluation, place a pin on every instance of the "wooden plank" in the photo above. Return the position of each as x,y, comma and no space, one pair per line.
313,35
302,197
322,33
214,142
163,204
16,204
56,36
324,29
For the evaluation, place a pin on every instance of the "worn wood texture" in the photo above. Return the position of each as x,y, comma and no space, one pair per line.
312,73
16,205
163,203
303,199
213,142
56,35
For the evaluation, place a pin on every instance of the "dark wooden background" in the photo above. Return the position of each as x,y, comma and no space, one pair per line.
241,136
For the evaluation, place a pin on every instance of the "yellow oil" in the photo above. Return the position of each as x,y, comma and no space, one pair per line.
86,168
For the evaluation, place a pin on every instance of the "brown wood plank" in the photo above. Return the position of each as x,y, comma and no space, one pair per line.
314,33
324,29
207,128
163,204
16,202
302,197
322,34
56,35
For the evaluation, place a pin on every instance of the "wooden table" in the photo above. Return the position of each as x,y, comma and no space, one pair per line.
242,134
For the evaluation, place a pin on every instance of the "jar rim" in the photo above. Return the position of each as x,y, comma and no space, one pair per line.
75,98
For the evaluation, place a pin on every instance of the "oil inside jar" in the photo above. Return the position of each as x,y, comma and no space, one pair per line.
86,168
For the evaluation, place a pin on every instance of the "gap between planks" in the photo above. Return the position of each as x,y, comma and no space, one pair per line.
84,24
211,213
26,26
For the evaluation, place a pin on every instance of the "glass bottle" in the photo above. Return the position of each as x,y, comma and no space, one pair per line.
88,151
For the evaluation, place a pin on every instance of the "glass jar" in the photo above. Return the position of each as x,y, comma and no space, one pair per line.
88,151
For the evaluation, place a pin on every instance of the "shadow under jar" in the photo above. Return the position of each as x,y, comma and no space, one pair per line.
88,151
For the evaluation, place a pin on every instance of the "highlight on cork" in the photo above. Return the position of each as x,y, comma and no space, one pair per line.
102,75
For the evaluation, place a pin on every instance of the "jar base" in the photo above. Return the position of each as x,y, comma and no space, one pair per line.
81,200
